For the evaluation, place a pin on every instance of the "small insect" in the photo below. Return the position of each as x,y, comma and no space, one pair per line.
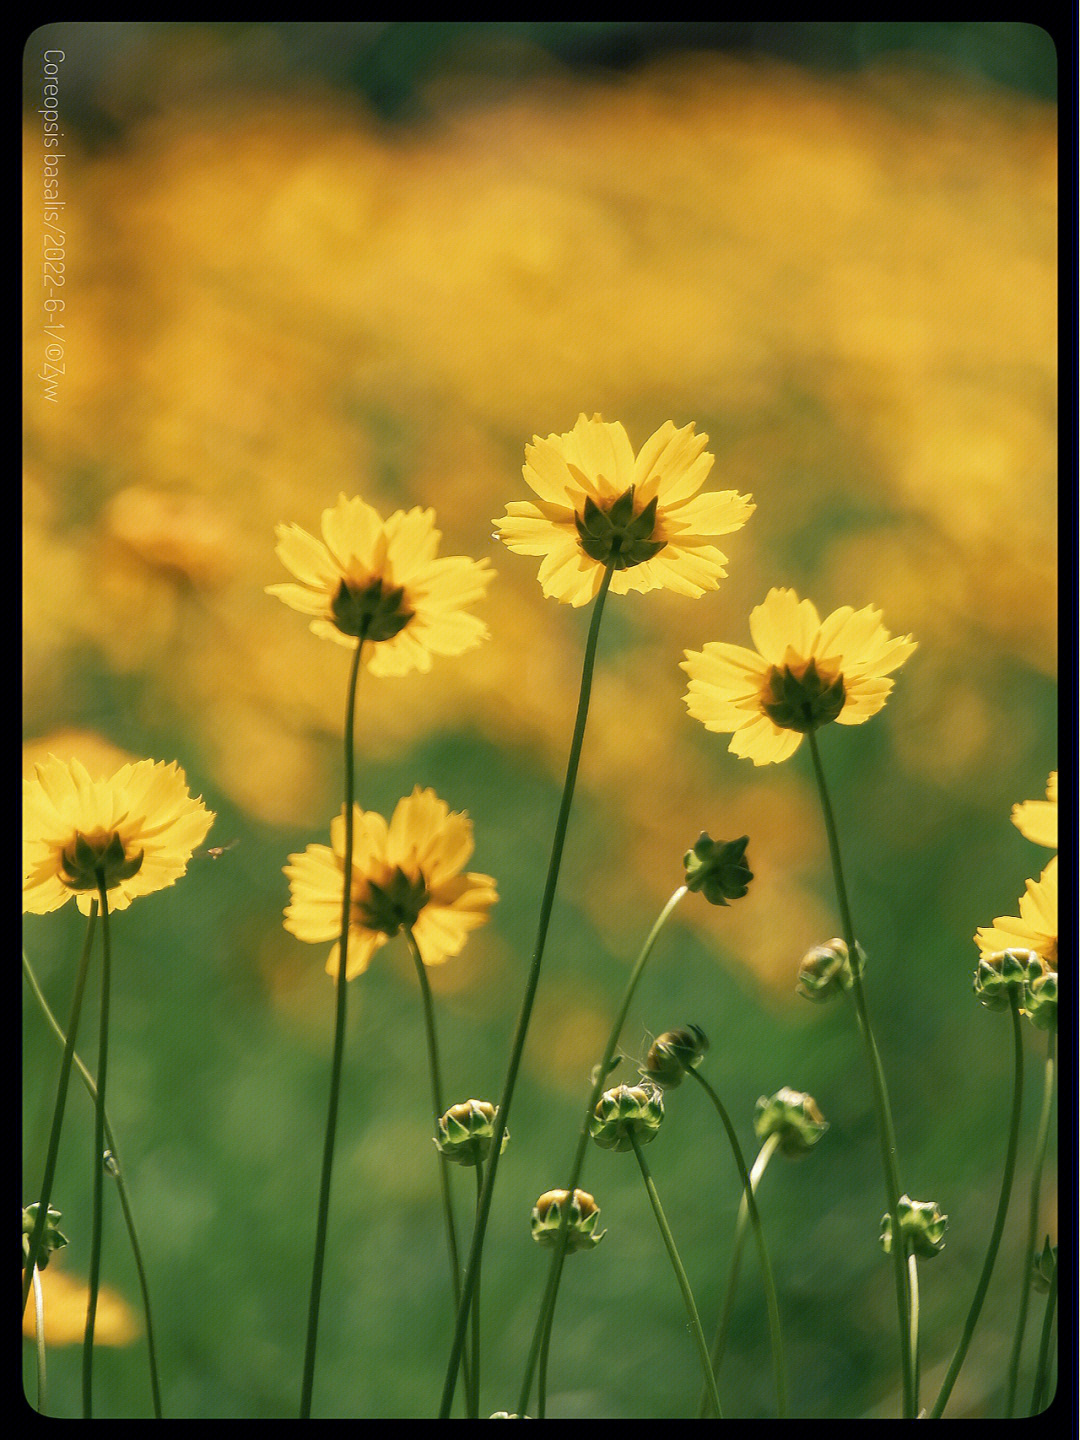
215,852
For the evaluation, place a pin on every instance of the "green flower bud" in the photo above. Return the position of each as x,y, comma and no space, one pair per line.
999,979
718,869
1044,1267
397,902
826,971
672,1054
921,1224
628,1110
617,535
802,699
792,1115
1040,999
466,1131
374,611
101,853
52,1239
583,1218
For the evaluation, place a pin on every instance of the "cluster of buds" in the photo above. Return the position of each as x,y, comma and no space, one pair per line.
1040,998
672,1054
794,1117
52,1238
583,1216
718,869
627,1114
467,1131
922,1226
1000,980
826,971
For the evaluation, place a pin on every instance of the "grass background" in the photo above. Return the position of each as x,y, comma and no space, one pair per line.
377,258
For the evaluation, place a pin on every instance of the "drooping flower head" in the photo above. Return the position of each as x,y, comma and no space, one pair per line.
806,672
1035,928
600,503
137,830
407,874
1037,820
384,581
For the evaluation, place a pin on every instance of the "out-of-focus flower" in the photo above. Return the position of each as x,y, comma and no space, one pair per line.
1035,928
137,830
65,1312
405,874
1038,819
806,673
601,504
383,580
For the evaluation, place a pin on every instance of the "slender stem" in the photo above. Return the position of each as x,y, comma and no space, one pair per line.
545,1318
99,1155
548,1322
913,1291
115,1171
1038,1159
39,1338
719,1344
518,1046
999,1219
474,1402
680,1275
38,1233
437,1098
1042,1372
773,1309
339,1047
886,1130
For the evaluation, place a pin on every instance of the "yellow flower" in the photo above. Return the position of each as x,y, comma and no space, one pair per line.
383,579
1038,819
407,873
807,672
598,501
1035,928
138,829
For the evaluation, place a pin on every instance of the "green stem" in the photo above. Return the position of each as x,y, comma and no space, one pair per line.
37,1235
518,1046
680,1275
117,1173
775,1335
437,1097
39,1339
474,1401
886,1131
999,1219
1038,1159
913,1291
542,1332
1042,1371
339,1048
719,1345
99,1155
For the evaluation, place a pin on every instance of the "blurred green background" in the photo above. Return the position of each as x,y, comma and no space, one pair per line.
377,258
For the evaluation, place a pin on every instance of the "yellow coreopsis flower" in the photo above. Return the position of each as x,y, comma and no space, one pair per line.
599,502
405,874
1035,928
1037,820
384,581
806,673
138,830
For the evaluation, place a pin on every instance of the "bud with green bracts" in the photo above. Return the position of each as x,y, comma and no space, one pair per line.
584,1216
718,869
626,1114
672,1054
51,1240
1044,1268
825,971
999,979
1040,998
794,1117
921,1224
466,1132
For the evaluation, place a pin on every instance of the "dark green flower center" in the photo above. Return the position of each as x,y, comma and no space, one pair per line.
394,904
801,698
374,611
619,536
95,857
